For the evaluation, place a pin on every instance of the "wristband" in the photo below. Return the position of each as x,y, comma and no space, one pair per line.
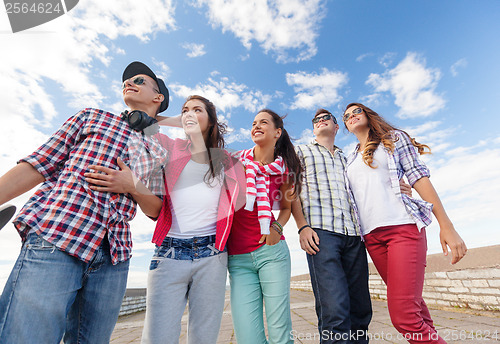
301,228
276,223
276,226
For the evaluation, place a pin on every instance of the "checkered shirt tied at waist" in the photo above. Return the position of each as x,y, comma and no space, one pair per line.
327,201
64,210
405,161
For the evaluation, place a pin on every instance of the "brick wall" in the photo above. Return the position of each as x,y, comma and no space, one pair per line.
477,288
134,301
473,283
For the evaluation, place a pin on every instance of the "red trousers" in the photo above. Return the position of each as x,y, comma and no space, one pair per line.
399,254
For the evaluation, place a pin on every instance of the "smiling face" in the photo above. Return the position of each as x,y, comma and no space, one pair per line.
324,126
195,118
355,119
264,130
140,91
139,88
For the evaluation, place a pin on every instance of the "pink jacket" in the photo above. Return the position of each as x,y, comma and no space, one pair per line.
231,199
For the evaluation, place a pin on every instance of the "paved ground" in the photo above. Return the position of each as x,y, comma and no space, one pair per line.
455,326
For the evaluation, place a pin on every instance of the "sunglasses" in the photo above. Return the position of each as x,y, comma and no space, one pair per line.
324,117
139,80
348,115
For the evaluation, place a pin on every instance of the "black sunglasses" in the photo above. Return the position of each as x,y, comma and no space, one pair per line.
348,115
139,80
324,117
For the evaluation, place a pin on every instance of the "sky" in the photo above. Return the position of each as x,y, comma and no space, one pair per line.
429,67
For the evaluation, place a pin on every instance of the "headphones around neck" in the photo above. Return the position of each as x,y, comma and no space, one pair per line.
141,121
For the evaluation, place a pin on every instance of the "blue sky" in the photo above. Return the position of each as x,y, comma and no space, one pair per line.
429,67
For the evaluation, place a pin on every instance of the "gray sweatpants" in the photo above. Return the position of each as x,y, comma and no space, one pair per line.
171,284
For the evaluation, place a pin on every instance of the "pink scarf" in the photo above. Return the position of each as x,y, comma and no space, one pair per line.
258,179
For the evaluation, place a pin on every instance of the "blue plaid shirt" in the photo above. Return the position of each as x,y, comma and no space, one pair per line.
406,161
327,201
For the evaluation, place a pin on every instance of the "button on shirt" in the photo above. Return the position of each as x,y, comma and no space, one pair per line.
64,210
327,200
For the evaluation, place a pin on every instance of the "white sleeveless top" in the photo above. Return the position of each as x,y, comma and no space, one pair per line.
194,203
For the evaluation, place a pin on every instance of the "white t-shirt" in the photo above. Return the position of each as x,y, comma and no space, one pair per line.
194,203
377,204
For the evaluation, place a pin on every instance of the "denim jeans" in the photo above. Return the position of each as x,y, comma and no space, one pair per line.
182,270
256,277
50,294
339,277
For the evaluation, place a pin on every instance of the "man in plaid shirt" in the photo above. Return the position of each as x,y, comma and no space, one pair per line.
330,234
70,277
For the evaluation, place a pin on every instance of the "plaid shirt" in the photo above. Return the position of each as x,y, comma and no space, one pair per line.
64,210
327,201
406,161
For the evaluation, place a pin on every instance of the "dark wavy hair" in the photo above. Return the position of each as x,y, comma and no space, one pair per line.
286,150
381,131
214,141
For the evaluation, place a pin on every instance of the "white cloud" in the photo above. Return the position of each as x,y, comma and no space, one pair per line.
225,94
305,137
462,63
287,28
387,59
423,128
363,56
244,57
137,278
412,85
430,134
194,50
68,45
237,135
133,18
466,183
373,100
349,148
163,70
316,89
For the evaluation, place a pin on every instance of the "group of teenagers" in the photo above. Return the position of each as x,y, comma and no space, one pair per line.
214,213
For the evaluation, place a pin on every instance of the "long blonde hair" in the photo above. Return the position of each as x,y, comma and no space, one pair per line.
382,132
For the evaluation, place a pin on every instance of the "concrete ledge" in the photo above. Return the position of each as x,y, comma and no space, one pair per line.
473,283
134,301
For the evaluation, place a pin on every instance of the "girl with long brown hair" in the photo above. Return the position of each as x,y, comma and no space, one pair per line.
190,261
392,223
259,259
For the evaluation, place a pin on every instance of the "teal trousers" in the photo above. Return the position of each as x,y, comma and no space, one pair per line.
257,278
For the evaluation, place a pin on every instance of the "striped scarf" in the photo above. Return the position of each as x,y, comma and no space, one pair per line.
258,180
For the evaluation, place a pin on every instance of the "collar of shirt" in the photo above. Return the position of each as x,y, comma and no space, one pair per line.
335,148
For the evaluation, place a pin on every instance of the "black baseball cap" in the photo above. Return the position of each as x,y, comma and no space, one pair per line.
136,68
